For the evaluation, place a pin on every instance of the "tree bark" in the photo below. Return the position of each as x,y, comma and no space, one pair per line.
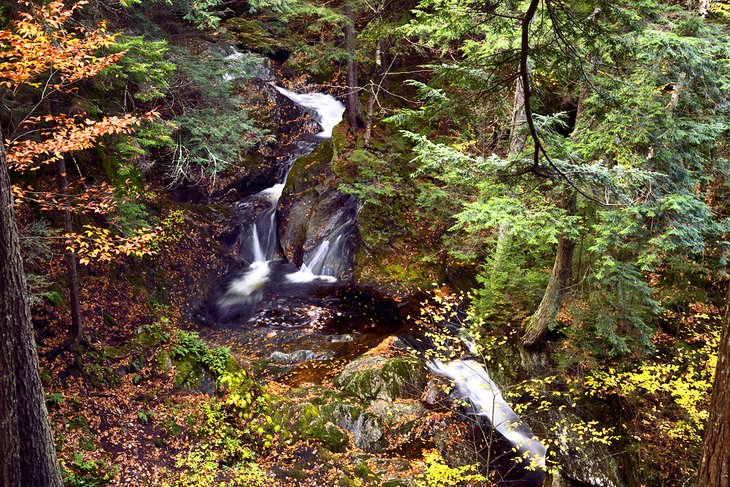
352,102
27,454
714,468
70,256
517,138
553,298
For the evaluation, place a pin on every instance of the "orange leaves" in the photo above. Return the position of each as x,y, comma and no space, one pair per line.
99,245
40,50
65,134
39,43
98,199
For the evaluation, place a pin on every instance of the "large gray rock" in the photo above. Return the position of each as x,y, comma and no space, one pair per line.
366,429
374,377
312,210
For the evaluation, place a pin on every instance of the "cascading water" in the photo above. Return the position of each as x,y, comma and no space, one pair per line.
474,386
269,288
327,111
258,239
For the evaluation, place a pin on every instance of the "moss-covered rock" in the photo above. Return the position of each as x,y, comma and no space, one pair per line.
366,429
311,209
374,377
255,37
309,421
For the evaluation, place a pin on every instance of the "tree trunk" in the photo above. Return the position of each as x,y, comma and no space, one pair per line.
70,256
517,137
27,454
372,97
553,298
352,102
714,468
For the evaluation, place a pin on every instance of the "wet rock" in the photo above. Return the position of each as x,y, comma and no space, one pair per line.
298,356
374,377
207,384
393,413
581,462
366,429
433,394
312,210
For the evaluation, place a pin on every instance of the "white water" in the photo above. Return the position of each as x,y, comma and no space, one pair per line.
305,275
473,384
328,112
273,193
327,109
244,289
263,240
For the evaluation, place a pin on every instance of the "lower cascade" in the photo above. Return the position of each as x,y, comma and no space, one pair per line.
474,386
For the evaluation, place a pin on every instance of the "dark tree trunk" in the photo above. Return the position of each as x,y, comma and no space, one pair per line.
714,468
352,102
27,454
70,256
553,298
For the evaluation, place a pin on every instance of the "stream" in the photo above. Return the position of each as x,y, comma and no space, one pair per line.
293,316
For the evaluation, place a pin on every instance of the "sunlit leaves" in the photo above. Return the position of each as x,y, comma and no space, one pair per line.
39,43
60,134
96,244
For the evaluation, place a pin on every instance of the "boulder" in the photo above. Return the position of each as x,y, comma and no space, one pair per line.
366,429
375,377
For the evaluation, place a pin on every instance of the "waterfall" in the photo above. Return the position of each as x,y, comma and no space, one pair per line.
259,233
246,289
326,109
264,243
474,386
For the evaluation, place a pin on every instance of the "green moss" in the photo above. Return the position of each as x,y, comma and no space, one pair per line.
250,33
163,361
308,169
363,471
188,372
296,473
380,378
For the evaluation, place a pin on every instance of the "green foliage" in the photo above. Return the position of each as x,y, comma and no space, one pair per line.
143,71
215,131
88,473
172,228
188,347
230,431
200,467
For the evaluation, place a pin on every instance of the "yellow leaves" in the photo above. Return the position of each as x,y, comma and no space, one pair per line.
38,43
96,244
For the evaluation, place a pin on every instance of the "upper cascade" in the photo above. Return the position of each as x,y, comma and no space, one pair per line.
327,109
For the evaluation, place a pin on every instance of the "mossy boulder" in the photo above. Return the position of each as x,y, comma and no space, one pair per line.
255,37
311,209
374,377
366,428
309,421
